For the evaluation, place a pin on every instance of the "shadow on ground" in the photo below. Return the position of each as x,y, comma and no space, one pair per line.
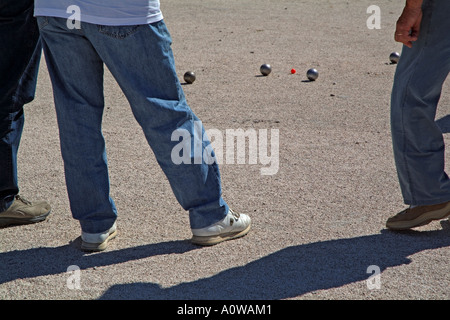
444,124
289,272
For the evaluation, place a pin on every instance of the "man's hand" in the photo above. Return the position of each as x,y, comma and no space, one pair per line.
408,25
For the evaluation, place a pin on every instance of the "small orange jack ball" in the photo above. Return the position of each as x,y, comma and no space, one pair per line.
293,71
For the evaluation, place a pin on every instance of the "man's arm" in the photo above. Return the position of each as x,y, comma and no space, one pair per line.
408,25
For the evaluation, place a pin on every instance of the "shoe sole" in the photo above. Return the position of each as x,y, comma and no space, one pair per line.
4,222
422,220
212,240
96,247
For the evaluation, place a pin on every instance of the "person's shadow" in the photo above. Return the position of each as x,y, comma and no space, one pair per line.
286,273
297,270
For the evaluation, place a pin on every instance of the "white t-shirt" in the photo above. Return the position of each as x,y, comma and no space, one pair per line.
104,12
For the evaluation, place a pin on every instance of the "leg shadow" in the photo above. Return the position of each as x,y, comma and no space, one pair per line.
296,270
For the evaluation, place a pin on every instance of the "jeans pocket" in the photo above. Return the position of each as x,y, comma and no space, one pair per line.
118,32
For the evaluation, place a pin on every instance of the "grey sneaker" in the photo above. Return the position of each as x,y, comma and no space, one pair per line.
233,226
94,242
23,211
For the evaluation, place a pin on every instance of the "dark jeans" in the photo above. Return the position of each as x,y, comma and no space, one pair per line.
20,53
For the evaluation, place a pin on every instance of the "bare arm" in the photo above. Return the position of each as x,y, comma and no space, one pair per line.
408,25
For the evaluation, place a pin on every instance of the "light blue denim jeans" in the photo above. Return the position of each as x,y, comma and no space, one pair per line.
141,61
418,142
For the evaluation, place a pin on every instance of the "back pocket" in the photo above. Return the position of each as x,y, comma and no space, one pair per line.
118,32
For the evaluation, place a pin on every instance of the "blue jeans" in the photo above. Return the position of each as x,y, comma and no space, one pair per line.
20,53
141,61
418,143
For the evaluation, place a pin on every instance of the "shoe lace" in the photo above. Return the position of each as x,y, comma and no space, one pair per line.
22,199
236,216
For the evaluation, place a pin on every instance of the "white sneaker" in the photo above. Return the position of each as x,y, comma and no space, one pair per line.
97,241
233,226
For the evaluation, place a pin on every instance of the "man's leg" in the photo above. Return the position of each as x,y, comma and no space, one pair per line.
141,60
145,70
19,62
418,143
76,73
146,75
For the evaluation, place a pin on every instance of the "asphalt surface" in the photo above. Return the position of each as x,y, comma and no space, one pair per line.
318,218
